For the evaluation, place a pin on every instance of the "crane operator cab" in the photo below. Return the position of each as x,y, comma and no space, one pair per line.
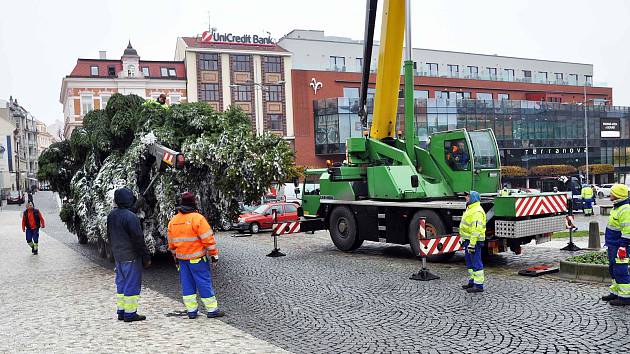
468,160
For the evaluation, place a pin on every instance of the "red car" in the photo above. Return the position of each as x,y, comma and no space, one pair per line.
261,218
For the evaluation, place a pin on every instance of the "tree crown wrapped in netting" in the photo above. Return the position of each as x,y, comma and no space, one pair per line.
226,163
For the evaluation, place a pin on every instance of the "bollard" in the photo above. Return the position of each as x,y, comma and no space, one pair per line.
594,241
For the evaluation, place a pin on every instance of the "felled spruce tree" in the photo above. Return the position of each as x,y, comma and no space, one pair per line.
226,164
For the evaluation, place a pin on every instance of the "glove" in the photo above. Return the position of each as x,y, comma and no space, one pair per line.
146,261
471,249
622,253
214,259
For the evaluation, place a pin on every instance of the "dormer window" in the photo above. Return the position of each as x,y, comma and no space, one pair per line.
131,71
94,70
145,71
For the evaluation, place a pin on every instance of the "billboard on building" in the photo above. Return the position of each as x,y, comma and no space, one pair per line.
610,128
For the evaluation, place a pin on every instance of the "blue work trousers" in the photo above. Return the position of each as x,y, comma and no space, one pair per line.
32,236
128,284
474,264
195,275
619,274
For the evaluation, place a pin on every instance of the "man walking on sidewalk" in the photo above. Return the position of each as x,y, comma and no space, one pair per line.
130,253
32,221
191,240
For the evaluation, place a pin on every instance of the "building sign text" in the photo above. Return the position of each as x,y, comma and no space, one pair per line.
609,128
229,38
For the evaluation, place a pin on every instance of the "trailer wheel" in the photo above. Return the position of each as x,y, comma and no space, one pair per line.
433,227
343,229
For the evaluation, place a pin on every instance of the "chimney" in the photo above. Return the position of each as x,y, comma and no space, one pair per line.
102,54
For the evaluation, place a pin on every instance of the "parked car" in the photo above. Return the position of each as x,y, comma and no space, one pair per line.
15,197
603,191
261,218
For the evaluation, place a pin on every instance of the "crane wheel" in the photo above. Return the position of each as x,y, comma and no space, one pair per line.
343,229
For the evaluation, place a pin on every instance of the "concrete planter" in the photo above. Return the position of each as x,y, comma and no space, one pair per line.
584,271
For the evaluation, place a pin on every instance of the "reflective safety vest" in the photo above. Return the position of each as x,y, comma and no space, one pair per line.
587,193
618,224
473,224
191,237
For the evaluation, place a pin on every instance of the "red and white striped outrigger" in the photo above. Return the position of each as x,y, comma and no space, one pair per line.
284,228
438,245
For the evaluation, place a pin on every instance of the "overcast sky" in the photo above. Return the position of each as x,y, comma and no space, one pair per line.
41,40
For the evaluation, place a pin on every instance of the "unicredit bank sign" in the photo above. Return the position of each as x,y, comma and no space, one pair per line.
229,38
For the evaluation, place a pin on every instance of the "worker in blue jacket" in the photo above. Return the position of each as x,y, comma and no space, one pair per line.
126,238
617,241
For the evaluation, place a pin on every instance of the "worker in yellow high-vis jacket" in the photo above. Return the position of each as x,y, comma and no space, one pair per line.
617,241
472,229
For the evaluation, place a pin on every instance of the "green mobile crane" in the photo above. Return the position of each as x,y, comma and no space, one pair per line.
388,182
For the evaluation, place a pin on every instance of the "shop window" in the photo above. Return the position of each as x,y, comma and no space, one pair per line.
274,93
484,96
209,92
208,61
275,122
243,93
94,70
272,64
456,155
241,63
424,94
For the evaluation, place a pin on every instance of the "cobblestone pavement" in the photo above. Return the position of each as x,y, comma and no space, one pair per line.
59,301
319,300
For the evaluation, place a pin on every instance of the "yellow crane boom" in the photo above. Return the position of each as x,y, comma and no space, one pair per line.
388,70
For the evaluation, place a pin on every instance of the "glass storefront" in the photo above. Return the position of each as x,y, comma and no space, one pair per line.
528,133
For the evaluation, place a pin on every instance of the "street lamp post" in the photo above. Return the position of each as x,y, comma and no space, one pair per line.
586,132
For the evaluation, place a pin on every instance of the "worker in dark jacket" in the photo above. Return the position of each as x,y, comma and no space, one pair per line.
130,253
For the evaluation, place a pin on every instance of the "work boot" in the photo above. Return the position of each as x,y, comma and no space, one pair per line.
215,314
620,302
192,315
609,297
467,286
121,316
35,251
135,318
474,290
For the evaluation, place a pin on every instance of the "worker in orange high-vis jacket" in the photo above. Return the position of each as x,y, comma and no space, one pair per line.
191,240
32,221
